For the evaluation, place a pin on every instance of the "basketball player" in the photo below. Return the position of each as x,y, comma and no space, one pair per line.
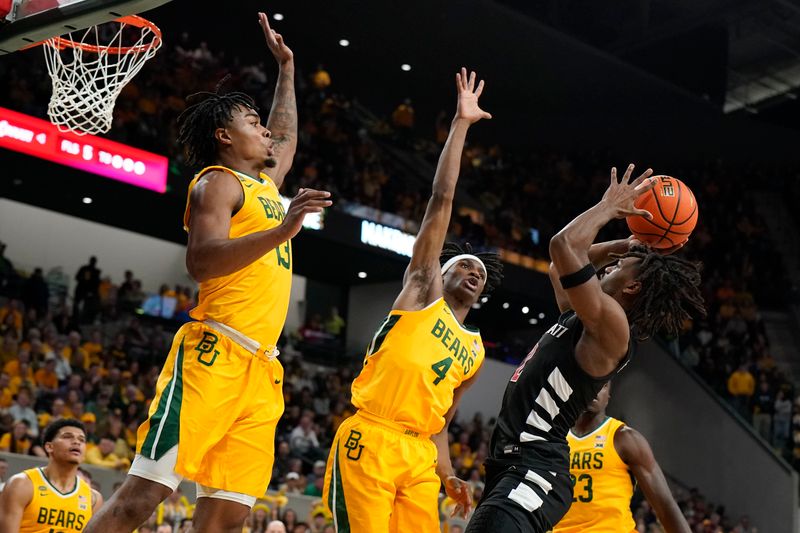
219,396
528,488
389,460
53,498
604,454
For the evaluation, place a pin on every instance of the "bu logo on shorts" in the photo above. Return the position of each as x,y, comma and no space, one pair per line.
206,346
354,449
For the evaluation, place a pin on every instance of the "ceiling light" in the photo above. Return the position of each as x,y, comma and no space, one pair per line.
277,16
484,299
405,67
362,275
344,42
533,321
87,200
506,305
541,315
525,310
476,305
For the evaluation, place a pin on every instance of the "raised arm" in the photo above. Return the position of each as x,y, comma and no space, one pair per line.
599,256
211,253
635,451
16,495
282,121
606,330
422,282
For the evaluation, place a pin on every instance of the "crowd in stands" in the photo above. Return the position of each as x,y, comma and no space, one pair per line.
56,367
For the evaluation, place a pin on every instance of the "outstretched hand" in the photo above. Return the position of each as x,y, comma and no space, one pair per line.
283,54
621,194
468,108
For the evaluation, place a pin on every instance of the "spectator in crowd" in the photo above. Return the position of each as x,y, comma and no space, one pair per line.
18,440
782,420
741,386
335,323
36,294
303,438
87,291
763,408
276,526
103,455
21,410
7,273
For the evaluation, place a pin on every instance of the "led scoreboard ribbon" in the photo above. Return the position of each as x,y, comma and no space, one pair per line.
39,138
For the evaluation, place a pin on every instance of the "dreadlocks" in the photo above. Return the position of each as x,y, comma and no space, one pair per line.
494,268
201,119
670,292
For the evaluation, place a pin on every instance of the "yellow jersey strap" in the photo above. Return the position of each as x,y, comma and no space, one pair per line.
262,179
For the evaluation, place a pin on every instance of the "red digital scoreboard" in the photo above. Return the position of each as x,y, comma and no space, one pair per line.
40,138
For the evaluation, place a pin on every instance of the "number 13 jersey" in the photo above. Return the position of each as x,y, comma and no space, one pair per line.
413,365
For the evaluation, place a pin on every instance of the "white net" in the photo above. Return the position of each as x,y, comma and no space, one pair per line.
89,72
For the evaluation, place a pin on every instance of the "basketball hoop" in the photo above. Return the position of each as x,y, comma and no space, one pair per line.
89,73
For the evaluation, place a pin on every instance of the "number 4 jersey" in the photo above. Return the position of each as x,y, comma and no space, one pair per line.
544,397
415,362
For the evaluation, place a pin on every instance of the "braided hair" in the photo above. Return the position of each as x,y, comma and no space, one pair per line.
200,120
670,292
494,267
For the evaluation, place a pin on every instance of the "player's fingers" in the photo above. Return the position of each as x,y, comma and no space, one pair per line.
646,185
318,203
463,78
486,115
643,176
479,90
614,179
472,77
641,213
626,178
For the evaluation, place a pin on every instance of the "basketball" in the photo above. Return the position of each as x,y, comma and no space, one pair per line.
674,212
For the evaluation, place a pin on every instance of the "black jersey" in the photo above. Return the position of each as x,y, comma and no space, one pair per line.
544,398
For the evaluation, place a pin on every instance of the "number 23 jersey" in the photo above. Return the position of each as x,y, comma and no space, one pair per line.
413,365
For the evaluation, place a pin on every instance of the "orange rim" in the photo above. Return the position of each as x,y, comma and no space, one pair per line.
132,20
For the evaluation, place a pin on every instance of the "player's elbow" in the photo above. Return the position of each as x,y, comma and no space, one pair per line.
442,196
197,268
558,244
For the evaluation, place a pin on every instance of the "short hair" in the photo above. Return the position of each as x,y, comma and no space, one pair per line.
200,120
670,292
494,267
53,428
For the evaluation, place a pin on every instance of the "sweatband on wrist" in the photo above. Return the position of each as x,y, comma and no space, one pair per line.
578,278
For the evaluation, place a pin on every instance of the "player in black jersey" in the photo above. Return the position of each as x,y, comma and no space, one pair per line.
528,488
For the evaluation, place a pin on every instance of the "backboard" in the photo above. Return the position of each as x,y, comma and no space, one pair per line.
28,22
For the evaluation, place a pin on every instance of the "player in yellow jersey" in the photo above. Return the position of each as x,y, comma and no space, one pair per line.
219,396
388,460
53,498
604,454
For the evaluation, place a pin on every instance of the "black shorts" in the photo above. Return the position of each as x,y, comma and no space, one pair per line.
519,499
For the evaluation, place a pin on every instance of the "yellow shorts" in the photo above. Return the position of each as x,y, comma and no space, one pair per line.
220,404
381,478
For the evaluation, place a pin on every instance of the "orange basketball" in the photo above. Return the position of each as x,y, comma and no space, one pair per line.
674,212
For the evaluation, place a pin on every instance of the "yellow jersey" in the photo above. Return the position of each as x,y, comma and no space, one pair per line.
415,362
602,484
52,511
254,300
